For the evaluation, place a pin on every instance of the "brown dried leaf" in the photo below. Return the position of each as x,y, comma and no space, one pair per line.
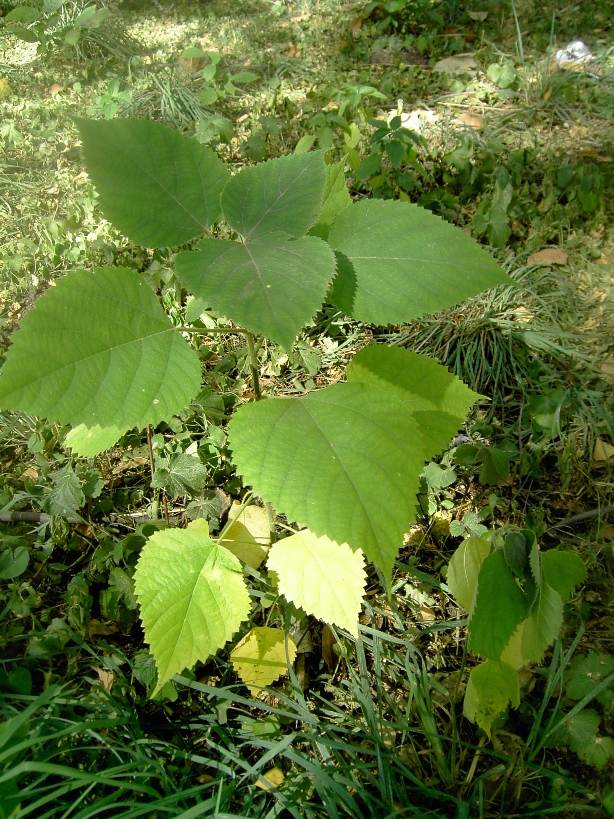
551,255
472,120
106,678
603,451
56,88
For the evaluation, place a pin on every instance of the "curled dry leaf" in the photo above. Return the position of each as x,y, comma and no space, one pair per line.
471,120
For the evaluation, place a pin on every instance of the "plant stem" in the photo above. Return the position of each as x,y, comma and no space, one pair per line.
253,361
152,469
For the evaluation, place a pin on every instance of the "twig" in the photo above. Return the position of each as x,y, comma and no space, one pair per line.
594,513
253,362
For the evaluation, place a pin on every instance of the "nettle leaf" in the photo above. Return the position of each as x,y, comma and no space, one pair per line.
98,350
563,571
324,578
491,687
260,658
543,623
499,608
180,474
67,495
157,186
271,286
345,460
464,569
402,261
283,194
192,596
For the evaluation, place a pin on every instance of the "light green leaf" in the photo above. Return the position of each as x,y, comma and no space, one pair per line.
335,458
324,578
403,261
157,186
500,607
512,653
22,14
249,536
543,623
67,496
87,442
260,658
192,597
244,77
273,288
562,571
283,194
180,474
98,350
491,687
305,144
13,562
464,568
336,195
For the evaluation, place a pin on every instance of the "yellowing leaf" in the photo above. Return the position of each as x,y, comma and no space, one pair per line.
324,578
239,540
512,653
250,535
275,777
603,451
492,685
260,658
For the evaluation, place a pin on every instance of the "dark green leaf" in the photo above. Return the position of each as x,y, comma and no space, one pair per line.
67,495
156,185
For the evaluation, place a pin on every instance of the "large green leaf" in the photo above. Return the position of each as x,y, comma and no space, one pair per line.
492,685
272,287
192,596
324,578
499,609
157,186
283,194
345,461
399,261
98,350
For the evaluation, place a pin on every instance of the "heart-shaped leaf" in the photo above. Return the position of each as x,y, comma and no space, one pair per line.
273,287
345,460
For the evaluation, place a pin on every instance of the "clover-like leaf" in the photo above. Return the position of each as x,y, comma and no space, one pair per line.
98,350
261,658
401,261
345,461
283,194
273,287
157,186
324,578
192,597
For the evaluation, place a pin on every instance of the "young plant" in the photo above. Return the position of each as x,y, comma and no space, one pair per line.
514,595
98,353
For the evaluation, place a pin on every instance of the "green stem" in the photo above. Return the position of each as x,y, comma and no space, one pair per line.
253,361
